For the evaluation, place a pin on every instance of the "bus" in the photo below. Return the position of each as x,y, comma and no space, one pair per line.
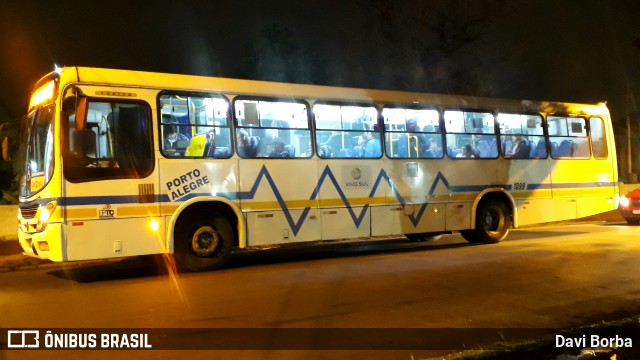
124,163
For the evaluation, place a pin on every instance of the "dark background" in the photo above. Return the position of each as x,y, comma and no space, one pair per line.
576,51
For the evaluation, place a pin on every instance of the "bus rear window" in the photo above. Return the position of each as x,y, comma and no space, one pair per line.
598,138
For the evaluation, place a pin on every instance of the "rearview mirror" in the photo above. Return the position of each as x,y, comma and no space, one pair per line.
5,145
75,101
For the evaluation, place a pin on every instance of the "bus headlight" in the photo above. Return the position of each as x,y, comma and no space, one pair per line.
624,201
45,214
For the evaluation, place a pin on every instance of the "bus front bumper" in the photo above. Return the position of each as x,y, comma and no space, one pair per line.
44,245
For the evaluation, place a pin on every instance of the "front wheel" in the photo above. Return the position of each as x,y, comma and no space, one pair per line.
493,222
203,242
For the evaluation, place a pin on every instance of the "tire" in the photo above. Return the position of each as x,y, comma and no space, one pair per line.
493,222
633,221
471,236
203,242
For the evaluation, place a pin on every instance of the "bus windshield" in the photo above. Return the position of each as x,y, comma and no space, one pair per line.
39,153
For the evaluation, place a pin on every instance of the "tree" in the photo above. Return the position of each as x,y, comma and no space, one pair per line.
276,55
9,164
428,46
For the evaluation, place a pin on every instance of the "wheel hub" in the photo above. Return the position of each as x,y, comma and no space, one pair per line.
493,221
205,241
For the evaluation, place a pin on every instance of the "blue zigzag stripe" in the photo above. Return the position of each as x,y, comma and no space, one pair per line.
326,173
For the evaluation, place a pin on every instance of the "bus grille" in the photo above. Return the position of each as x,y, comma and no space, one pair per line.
29,211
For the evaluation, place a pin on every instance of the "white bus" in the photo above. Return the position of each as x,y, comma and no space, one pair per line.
124,163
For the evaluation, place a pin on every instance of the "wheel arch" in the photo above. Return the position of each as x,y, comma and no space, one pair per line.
213,203
497,194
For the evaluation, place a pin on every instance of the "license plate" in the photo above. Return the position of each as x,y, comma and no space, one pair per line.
636,212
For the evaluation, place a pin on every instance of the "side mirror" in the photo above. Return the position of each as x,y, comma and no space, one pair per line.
75,101
5,145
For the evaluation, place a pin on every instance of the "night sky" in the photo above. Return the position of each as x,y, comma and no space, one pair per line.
577,51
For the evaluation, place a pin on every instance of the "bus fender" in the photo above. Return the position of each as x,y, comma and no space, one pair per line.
185,205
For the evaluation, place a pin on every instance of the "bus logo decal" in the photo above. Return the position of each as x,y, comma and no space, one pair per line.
106,212
356,174
355,177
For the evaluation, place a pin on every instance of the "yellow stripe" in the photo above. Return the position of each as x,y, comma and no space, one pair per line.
354,201
81,213
136,211
274,205
535,194
168,209
300,204
57,215
463,197
580,192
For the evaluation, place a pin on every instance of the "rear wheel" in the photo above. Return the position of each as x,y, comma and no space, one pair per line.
203,242
633,221
493,221
470,236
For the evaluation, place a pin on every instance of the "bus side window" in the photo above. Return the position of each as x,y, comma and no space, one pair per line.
412,132
271,127
570,135
522,136
347,131
470,134
200,123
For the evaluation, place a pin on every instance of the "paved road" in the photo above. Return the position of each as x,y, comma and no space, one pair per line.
544,277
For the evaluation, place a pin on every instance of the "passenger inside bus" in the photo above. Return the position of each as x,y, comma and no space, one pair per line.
340,144
280,149
467,152
174,142
247,145
411,144
197,146
521,148
372,147
434,150
210,146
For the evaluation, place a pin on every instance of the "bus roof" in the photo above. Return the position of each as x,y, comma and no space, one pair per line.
169,81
